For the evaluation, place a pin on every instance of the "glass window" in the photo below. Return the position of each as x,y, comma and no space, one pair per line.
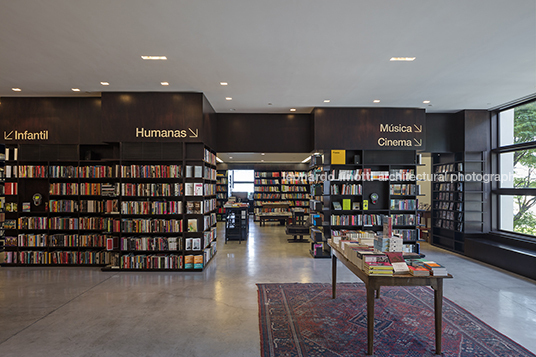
517,211
243,187
244,175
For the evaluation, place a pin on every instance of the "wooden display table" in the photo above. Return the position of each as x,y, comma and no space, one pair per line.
373,284
283,217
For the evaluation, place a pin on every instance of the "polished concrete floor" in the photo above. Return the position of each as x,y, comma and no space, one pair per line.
86,312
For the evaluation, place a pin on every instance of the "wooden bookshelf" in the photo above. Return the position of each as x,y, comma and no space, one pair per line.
119,205
2,202
352,184
222,193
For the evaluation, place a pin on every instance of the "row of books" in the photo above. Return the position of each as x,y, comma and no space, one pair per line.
32,171
151,225
402,174
11,188
295,196
404,204
285,188
209,157
151,171
346,205
57,240
449,168
452,186
151,243
266,182
200,207
445,205
448,224
404,189
151,189
297,181
206,172
346,189
209,221
267,174
58,257
151,207
445,196
267,189
453,216
85,206
152,261
267,196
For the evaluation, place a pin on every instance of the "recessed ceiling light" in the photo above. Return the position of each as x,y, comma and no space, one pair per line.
154,58
327,100
164,83
262,160
263,154
403,59
376,101
75,89
223,83
426,101
16,89
292,109
105,83
230,157
228,98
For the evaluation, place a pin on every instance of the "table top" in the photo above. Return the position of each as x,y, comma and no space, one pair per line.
395,280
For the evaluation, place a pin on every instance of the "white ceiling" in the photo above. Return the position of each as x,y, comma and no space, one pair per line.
470,54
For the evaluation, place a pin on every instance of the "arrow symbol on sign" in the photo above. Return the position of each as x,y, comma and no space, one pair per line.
418,142
194,134
7,136
418,128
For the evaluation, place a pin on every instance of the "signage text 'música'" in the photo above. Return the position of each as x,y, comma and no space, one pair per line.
391,128
160,133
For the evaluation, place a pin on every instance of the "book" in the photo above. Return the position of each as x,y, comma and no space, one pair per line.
198,262
189,171
198,189
196,244
346,204
338,157
192,225
188,245
337,206
26,207
198,171
365,205
398,262
418,271
189,189
356,206
188,262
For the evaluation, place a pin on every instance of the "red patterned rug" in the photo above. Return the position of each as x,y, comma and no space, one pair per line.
303,320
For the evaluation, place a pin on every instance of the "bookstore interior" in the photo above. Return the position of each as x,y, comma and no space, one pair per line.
145,187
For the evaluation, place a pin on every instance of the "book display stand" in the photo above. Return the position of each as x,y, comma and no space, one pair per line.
222,193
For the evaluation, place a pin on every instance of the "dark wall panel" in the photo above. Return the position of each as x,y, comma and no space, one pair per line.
264,133
126,113
66,120
359,128
209,123
443,133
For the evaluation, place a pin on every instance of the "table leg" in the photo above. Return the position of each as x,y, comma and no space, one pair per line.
334,276
370,320
378,293
438,305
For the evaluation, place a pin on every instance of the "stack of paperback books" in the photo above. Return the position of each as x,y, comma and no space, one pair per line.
378,268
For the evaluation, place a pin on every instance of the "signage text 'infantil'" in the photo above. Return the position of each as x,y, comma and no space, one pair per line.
26,135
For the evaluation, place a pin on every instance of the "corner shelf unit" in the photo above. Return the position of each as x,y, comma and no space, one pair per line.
457,203
346,199
222,193
120,205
